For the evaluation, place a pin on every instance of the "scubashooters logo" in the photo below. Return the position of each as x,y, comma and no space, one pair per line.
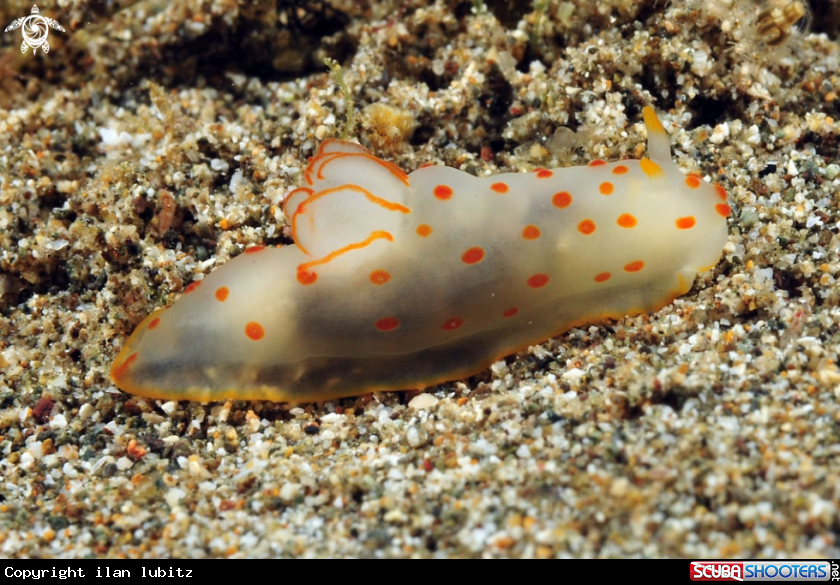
36,29
765,571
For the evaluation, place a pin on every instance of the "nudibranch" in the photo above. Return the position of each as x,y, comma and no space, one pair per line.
401,281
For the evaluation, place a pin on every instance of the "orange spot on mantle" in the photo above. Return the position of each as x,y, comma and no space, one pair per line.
379,277
531,232
443,192
626,220
473,256
685,223
387,324
562,199
254,330
586,227
538,280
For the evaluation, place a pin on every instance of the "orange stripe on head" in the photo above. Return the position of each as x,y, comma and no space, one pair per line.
313,160
389,205
320,157
389,166
287,212
396,170
344,144
377,235
321,160
326,143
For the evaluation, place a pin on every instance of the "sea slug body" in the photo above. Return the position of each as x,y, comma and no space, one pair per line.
403,281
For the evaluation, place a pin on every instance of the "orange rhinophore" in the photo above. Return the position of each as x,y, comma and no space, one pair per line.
403,281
